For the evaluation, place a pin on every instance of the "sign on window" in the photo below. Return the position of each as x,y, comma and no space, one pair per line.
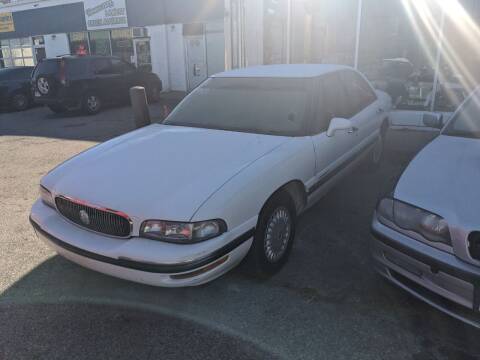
105,14
6,22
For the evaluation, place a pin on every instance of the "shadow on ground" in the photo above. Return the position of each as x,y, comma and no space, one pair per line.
327,303
112,121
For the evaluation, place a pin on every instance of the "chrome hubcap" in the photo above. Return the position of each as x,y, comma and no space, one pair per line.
92,102
277,234
43,85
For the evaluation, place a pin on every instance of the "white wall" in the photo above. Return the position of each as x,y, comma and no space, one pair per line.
176,57
159,51
56,44
254,32
215,43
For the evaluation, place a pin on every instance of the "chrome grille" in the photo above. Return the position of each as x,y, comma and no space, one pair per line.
104,221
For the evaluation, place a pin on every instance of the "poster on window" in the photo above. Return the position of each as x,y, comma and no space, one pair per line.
105,14
6,22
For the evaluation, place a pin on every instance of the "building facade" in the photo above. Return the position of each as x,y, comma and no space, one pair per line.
180,40
429,45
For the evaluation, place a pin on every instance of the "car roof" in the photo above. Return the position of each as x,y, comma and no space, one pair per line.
283,71
83,57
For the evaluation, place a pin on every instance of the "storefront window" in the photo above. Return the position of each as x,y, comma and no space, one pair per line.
79,43
16,52
122,44
100,43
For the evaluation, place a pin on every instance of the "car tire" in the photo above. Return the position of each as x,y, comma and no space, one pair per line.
274,235
91,104
19,102
57,109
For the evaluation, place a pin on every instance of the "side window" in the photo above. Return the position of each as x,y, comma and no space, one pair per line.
331,103
359,93
102,67
120,67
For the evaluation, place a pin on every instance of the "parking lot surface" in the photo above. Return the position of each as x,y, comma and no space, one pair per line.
326,303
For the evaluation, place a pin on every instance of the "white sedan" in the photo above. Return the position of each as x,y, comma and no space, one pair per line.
225,175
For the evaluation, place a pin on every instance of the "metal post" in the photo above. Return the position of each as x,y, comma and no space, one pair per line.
359,29
141,114
437,61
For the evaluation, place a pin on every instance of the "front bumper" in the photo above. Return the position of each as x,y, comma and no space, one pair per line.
134,259
432,275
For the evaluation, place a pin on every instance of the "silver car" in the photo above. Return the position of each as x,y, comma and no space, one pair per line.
427,233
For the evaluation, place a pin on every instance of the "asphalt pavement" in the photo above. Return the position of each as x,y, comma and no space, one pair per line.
327,303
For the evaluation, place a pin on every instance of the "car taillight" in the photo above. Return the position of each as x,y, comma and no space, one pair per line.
63,79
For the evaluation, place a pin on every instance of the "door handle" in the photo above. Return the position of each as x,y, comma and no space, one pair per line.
352,130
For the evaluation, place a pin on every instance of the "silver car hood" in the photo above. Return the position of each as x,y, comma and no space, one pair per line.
444,178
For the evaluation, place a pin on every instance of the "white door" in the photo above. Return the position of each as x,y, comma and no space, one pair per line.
332,153
196,60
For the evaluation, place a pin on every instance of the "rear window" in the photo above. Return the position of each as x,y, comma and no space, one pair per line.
76,68
47,67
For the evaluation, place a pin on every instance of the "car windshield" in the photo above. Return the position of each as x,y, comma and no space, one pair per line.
255,105
466,122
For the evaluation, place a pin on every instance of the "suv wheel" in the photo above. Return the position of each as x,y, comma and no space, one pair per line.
19,102
43,86
274,235
92,104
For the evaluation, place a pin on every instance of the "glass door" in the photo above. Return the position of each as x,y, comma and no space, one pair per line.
143,57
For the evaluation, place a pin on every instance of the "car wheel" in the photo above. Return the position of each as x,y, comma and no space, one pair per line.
57,109
19,102
274,236
92,104
44,86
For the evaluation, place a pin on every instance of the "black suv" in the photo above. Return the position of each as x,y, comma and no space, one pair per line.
15,87
89,82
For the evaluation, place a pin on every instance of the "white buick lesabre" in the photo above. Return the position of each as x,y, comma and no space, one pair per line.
225,175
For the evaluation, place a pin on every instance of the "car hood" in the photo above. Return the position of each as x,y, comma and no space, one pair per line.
443,178
159,172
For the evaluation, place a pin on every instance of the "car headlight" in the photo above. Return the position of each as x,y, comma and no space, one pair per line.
408,217
182,232
47,197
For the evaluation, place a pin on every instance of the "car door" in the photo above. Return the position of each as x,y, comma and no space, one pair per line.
108,80
330,152
364,110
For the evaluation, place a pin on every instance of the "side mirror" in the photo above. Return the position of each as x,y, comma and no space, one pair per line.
433,120
337,124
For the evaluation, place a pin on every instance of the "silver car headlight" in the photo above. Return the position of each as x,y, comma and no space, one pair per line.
182,232
408,217
47,197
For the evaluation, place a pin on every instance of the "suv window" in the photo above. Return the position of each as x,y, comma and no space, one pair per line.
120,67
102,66
359,93
47,67
76,68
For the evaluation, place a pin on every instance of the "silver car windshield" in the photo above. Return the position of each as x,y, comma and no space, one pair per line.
466,122
270,106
